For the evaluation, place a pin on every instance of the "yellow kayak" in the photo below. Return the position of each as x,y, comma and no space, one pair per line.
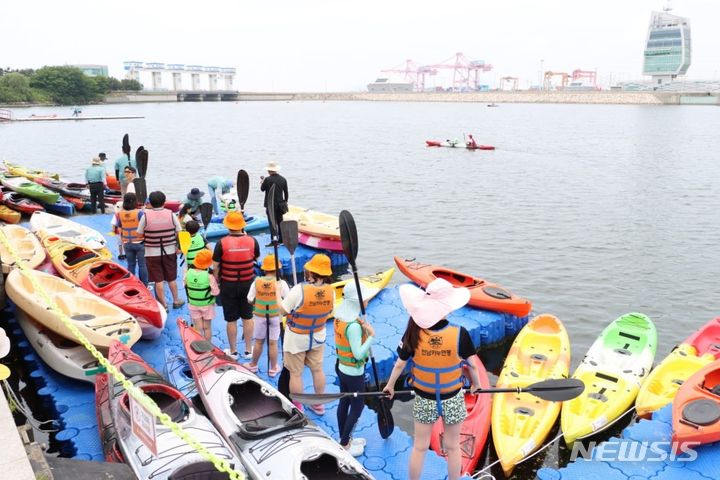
374,283
26,245
664,381
97,319
314,223
72,261
521,422
28,173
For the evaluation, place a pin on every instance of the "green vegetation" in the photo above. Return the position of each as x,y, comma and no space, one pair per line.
62,85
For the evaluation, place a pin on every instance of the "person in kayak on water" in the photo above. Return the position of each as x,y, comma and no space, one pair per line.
353,338
215,184
437,352
281,194
264,299
471,143
95,178
201,288
308,306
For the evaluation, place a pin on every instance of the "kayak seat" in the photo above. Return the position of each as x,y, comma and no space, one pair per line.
76,256
260,414
175,408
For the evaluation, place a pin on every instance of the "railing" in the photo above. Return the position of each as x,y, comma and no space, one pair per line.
5,115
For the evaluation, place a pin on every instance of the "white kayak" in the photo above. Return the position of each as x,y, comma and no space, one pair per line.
44,224
26,246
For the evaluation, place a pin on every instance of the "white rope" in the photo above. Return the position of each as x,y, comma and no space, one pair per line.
38,425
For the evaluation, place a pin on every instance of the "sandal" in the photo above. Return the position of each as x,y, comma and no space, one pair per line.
274,371
317,409
251,367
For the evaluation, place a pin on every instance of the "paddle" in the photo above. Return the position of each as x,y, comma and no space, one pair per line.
184,238
273,240
554,390
206,213
141,159
289,230
243,188
348,235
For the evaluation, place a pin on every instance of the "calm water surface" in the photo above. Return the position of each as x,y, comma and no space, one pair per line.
589,211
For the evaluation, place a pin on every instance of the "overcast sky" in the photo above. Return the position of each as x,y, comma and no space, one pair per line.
336,45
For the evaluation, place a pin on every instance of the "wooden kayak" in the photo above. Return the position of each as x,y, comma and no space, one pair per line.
26,246
696,408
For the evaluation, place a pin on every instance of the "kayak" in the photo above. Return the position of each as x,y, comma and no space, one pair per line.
173,205
691,355
272,437
475,427
217,230
696,408
61,207
30,174
21,204
44,224
8,215
374,283
97,319
314,223
613,369
483,294
319,242
435,143
117,285
71,261
26,246
175,459
78,203
522,422
28,188
77,190
112,182
62,355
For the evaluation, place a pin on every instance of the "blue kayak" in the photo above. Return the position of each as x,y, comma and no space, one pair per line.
61,207
217,230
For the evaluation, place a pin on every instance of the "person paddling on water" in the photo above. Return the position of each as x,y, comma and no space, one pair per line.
471,143
437,352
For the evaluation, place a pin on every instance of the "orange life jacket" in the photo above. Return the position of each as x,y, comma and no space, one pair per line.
159,228
315,308
129,221
342,345
238,258
265,297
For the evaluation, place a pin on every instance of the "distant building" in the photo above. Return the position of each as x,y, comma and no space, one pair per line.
667,50
381,85
93,70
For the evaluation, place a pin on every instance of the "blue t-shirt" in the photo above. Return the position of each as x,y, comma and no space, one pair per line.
220,182
120,164
94,174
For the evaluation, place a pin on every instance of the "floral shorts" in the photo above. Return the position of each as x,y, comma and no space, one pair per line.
426,410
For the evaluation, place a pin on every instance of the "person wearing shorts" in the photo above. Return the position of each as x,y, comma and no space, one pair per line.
234,269
308,306
438,352
201,289
267,316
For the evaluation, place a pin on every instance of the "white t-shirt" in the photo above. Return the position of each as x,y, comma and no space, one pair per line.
296,342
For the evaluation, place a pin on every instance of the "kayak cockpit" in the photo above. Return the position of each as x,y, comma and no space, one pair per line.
327,467
259,412
104,274
169,401
193,471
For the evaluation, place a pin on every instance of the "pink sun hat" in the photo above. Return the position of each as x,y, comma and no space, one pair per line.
429,306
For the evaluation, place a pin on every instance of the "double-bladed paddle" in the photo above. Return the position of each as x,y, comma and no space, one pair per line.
554,390
289,230
184,239
206,213
273,240
349,237
141,164
243,189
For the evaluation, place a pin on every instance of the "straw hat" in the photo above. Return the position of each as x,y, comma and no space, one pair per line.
429,306
203,259
268,263
349,309
272,166
320,264
234,221
97,161
195,194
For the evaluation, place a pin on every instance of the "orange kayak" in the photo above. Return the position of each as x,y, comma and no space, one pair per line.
483,294
696,408
71,261
112,182
8,215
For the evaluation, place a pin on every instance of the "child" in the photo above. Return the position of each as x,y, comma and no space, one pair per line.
197,242
267,316
201,289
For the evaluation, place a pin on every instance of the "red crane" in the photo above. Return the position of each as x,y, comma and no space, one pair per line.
591,75
466,73
412,73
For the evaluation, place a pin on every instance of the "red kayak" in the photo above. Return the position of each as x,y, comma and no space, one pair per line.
21,204
707,339
696,408
467,146
78,203
483,294
110,281
475,428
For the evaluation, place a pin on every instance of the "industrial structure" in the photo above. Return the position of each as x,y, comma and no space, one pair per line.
191,82
93,70
667,49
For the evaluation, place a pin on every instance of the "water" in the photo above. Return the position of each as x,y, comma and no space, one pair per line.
589,211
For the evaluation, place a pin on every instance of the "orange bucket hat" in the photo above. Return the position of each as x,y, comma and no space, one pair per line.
234,221
203,259
320,264
268,263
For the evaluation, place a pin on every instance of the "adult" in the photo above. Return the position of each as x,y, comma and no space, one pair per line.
438,352
128,221
234,269
308,306
353,338
223,185
281,193
95,178
130,174
160,228
191,204
471,143
120,163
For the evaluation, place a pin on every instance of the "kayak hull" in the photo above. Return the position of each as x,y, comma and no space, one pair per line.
374,283
319,242
696,408
29,188
26,246
460,145
8,215
44,224
21,204
317,224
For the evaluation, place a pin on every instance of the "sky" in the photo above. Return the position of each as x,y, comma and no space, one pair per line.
341,45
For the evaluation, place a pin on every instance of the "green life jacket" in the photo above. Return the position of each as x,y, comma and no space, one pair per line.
197,243
197,286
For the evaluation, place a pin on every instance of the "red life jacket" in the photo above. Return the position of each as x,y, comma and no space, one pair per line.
238,258
159,228
129,220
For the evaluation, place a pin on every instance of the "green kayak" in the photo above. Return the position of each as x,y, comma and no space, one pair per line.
29,189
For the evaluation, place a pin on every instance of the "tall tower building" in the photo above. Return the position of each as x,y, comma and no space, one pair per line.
667,49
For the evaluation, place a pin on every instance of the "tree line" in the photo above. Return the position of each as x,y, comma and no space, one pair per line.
63,85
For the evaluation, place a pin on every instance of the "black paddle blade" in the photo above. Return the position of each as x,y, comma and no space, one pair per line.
348,235
243,187
143,163
206,213
386,423
557,390
140,190
289,230
126,144
271,212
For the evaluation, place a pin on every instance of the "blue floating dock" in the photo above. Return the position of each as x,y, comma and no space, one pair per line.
74,402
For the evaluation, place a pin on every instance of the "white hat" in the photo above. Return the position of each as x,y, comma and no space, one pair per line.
429,306
272,166
4,344
349,309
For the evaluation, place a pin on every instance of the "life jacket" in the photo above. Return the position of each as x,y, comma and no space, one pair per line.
436,363
265,297
238,258
342,345
129,220
197,287
159,228
315,308
197,243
